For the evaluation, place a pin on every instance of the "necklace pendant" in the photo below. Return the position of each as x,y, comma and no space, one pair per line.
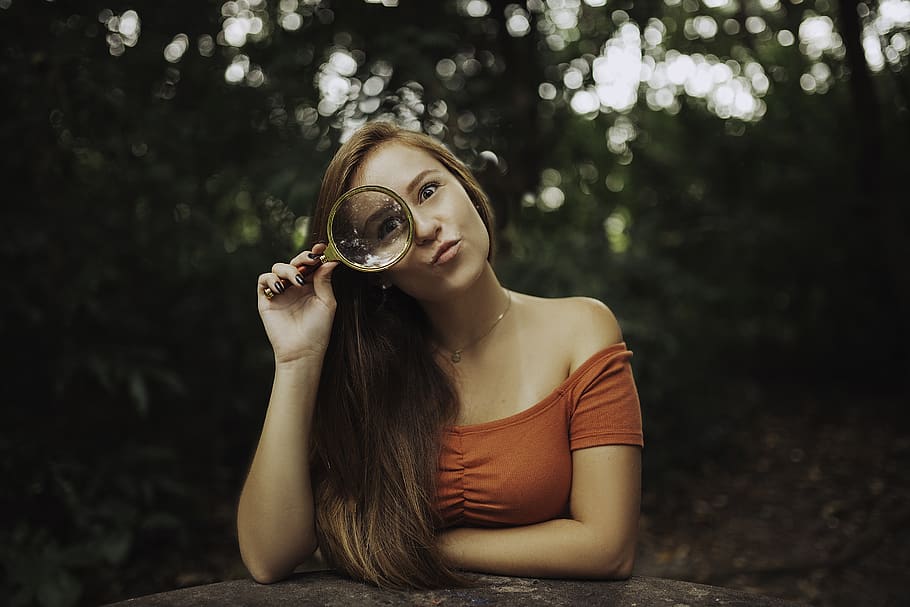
456,356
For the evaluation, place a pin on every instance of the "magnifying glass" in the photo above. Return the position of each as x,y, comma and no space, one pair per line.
370,229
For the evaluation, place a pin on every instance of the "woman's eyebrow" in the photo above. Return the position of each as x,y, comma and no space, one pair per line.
419,178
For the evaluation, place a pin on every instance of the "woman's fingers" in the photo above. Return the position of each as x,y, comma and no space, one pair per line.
294,274
270,285
309,258
322,282
289,273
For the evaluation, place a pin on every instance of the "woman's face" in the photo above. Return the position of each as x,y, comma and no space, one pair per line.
451,243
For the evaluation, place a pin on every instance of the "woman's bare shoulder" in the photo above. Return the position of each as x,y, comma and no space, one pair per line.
583,325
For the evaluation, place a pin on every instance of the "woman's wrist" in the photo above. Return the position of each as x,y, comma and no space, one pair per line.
295,384
299,362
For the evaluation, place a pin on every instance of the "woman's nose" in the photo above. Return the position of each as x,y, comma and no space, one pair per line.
426,227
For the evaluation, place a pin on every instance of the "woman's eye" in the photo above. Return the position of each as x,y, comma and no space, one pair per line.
428,190
389,226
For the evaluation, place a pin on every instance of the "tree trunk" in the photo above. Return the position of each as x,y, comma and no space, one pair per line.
875,184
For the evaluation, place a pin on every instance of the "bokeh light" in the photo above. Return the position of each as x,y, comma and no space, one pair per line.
817,36
616,227
551,198
176,48
474,8
237,70
702,26
517,21
123,30
633,63
206,45
244,20
878,47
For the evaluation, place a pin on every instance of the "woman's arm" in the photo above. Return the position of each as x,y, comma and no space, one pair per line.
598,541
275,518
275,515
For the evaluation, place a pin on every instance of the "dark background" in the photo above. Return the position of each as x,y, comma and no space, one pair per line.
740,203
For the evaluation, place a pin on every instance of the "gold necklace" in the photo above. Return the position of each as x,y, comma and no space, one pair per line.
456,354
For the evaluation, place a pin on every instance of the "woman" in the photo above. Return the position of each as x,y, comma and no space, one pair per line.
426,420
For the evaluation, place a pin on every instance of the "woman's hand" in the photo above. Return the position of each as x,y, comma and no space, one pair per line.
298,316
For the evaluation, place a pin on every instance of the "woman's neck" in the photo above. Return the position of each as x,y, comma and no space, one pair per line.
461,320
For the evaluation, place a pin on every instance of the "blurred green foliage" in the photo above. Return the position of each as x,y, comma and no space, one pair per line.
146,185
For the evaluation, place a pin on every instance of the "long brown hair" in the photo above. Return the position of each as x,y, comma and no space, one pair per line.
382,404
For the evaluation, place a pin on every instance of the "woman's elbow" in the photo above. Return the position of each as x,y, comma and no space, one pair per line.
264,575
268,568
263,569
616,565
623,569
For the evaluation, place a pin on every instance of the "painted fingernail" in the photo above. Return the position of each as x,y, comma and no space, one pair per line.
279,286
313,255
300,280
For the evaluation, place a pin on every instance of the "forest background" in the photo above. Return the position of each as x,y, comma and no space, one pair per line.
729,176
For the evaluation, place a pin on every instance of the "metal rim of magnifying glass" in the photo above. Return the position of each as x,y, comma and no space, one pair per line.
391,194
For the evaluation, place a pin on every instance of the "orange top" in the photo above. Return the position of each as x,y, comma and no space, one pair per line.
518,470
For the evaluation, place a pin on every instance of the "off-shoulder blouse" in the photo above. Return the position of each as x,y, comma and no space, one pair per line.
518,470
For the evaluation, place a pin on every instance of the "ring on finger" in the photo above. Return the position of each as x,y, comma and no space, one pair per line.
269,294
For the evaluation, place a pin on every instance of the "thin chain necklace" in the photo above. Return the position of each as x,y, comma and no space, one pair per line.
456,354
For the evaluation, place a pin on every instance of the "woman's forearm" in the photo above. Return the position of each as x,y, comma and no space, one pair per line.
275,514
557,548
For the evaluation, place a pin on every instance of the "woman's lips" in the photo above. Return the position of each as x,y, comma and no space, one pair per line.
446,252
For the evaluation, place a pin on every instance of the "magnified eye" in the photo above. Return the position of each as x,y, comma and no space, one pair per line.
388,226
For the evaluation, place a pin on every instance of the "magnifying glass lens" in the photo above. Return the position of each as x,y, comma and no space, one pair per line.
371,229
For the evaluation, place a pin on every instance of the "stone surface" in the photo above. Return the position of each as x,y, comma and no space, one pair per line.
323,588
